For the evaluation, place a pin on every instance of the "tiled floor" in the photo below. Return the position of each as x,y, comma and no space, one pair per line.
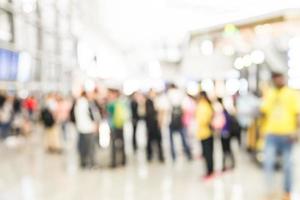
28,173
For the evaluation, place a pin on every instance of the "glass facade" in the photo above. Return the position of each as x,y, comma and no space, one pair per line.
44,30
6,32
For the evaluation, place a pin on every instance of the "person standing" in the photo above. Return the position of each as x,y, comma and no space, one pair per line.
17,116
189,115
31,106
204,115
6,116
280,109
137,106
62,115
87,127
153,128
226,135
116,114
52,137
176,97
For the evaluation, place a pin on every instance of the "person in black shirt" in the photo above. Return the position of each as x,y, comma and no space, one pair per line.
153,130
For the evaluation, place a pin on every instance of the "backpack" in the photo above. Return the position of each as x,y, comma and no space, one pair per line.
176,118
234,126
119,116
47,118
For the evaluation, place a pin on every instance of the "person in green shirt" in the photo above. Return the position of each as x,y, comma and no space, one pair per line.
116,118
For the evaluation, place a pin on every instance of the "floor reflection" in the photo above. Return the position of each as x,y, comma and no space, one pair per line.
27,173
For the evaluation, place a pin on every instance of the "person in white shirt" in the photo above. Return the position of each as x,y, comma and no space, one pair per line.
87,127
176,97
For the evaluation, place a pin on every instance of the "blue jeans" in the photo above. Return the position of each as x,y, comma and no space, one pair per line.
275,144
185,145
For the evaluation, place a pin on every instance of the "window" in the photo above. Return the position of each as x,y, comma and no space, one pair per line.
6,26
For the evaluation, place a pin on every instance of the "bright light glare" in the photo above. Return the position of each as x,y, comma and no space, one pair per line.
238,63
232,86
294,42
157,84
28,6
104,134
173,55
294,72
89,85
294,83
247,61
24,66
293,63
208,85
244,86
85,55
207,47
293,53
192,88
228,50
5,35
23,94
258,57
233,74
154,69
130,86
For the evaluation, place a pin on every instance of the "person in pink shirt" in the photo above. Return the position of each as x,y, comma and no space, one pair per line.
62,114
189,107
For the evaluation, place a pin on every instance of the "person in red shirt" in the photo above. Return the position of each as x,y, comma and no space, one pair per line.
30,104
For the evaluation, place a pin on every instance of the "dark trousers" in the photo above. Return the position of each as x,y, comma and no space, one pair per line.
134,127
5,129
117,147
208,151
186,147
154,138
86,150
227,152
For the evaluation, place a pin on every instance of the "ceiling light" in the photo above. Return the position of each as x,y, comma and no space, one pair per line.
208,85
238,63
258,57
247,61
228,51
207,47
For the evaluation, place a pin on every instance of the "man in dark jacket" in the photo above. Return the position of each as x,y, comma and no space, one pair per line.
153,130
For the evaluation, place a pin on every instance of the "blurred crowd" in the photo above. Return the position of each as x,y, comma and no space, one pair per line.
173,111
16,115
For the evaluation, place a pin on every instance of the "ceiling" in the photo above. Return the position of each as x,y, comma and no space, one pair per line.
130,33
137,24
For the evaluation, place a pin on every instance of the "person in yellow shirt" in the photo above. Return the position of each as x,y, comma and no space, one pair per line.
280,109
204,115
